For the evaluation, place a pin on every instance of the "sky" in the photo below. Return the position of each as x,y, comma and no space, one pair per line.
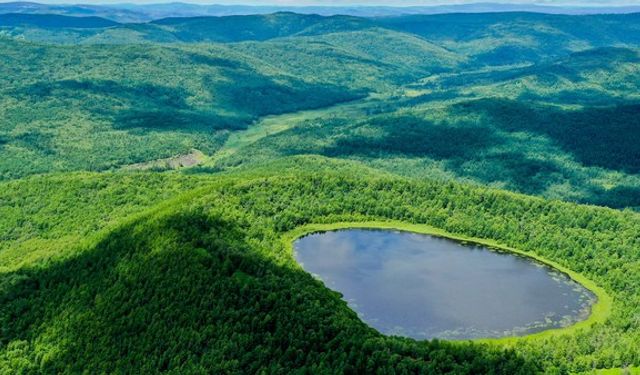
397,3
432,2
586,3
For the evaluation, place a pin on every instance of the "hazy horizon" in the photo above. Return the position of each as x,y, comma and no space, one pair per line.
349,3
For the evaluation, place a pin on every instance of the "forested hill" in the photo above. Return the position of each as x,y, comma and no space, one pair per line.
130,12
258,27
104,106
540,98
54,21
154,171
152,272
517,32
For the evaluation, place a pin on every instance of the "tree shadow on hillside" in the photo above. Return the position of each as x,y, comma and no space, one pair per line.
72,89
138,107
238,95
574,68
606,137
506,55
36,141
583,97
258,95
413,136
465,149
616,197
184,292
190,292
214,61
514,170
481,151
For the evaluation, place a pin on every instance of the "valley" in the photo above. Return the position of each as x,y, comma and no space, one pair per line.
156,172
274,124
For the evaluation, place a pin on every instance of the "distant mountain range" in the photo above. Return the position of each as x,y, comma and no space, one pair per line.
54,21
541,35
149,12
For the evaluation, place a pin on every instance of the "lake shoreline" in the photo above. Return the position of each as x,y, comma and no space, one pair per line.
600,310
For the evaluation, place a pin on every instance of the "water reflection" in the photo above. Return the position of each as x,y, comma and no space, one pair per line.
424,287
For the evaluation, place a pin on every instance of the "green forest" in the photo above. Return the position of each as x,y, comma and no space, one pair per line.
151,173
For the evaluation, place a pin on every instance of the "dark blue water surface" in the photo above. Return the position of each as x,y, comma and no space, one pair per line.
423,287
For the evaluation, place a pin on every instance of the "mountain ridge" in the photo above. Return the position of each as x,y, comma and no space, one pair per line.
148,12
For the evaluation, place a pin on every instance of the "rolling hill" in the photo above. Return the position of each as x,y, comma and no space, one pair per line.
128,12
257,27
194,282
182,93
154,171
53,21
123,104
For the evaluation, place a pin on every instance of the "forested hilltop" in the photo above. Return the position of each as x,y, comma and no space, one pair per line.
152,169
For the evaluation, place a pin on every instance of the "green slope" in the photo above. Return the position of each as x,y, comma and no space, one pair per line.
564,129
54,21
100,107
509,38
203,282
303,120
257,27
88,30
486,38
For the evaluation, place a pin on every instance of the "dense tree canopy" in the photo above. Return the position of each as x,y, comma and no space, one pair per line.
285,120
204,280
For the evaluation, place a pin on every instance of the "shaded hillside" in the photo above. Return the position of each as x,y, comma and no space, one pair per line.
508,38
487,38
431,79
604,137
97,107
257,27
205,282
101,107
374,57
598,75
519,129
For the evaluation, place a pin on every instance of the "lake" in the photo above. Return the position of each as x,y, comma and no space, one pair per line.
424,287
